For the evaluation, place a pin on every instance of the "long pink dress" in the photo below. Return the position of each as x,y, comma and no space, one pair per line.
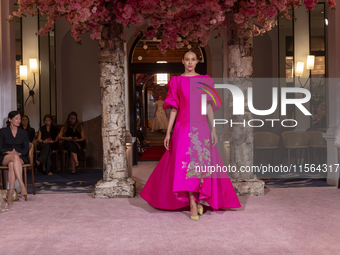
172,178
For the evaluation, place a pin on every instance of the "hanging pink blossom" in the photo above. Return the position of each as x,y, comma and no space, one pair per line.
191,20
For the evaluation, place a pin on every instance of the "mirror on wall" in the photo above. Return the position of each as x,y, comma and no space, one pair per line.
286,58
47,73
317,38
18,62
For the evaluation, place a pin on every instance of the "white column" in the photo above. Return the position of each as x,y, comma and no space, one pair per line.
224,138
62,27
127,113
301,51
8,95
30,50
128,137
333,32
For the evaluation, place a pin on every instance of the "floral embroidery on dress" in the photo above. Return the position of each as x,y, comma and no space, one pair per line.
200,157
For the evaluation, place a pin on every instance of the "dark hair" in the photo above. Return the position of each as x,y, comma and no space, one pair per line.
11,115
189,50
48,116
76,125
28,125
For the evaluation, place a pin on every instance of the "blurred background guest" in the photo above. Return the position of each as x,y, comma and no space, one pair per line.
47,142
14,147
160,122
25,124
72,134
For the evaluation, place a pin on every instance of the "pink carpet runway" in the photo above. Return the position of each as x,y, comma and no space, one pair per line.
283,221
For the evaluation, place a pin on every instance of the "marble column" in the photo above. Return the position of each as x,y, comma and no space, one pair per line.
116,181
239,71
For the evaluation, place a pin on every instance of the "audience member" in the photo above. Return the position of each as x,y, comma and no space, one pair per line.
47,142
25,124
72,134
14,147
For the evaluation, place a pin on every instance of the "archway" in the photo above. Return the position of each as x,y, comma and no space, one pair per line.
145,59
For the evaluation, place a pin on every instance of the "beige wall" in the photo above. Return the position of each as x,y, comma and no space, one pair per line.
7,62
30,50
333,62
77,75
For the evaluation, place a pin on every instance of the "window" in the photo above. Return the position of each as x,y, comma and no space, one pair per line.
318,74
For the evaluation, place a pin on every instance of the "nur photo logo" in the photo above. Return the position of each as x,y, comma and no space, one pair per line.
239,104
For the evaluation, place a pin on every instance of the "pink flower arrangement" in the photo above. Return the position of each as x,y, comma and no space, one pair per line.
192,20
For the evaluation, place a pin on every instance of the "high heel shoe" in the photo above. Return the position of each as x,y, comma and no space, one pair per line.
200,210
11,196
195,218
24,195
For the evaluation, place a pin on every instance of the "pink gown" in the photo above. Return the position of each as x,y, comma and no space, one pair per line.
168,186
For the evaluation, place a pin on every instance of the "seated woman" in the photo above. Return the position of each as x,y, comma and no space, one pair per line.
25,124
14,147
47,142
73,135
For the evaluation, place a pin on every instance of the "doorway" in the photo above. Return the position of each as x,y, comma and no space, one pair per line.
149,71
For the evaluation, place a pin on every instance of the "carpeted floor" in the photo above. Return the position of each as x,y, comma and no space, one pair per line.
85,182
65,183
295,182
284,221
152,153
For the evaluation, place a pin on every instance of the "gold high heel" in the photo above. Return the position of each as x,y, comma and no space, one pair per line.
200,210
195,218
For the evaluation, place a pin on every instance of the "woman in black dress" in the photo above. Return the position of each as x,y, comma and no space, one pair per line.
14,147
25,124
47,142
73,135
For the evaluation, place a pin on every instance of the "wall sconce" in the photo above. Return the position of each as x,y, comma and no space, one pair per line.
162,79
23,76
23,73
310,62
33,65
300,68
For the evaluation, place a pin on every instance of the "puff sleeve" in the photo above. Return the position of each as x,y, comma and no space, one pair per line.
172,98
214,99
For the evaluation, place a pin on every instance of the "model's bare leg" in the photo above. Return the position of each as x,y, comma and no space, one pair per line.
193,205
